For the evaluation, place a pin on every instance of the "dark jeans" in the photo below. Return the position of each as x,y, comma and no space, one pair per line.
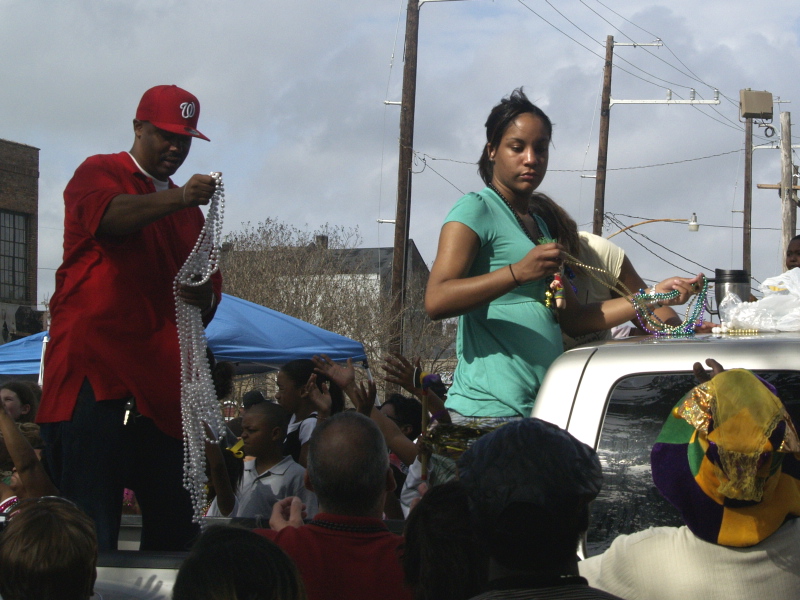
93,457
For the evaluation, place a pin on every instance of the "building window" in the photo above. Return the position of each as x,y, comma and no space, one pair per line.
13,256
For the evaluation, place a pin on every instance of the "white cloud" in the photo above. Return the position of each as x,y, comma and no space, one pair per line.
292,98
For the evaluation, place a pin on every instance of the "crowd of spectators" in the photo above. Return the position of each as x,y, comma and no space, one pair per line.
508,525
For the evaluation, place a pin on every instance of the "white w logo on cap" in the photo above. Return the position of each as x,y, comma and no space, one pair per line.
187,110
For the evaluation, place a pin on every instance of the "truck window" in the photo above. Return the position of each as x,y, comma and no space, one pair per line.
637,408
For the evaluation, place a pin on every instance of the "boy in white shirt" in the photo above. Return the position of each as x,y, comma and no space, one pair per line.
270,476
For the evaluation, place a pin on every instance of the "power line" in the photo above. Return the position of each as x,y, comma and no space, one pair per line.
692,76
573,24
564,33
629,233
623,59
617,221
423,158
675,162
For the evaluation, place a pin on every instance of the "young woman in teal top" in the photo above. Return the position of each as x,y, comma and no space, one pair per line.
492,273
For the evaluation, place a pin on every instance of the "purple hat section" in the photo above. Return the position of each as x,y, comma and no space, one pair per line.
673,477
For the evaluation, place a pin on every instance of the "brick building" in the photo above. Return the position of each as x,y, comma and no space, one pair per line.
19,222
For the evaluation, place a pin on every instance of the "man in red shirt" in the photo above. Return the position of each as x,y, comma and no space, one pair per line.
346,551
110,409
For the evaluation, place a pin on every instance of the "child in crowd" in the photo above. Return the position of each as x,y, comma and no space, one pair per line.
268,478
295,389
19,400
406,413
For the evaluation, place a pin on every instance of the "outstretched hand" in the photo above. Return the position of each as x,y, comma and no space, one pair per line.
288,512
364,397
343,376
701,374
400,371
320,396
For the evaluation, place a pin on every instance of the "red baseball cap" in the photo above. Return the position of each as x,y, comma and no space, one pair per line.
172,109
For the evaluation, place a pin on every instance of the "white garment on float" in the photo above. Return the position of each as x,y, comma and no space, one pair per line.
598,252
671,563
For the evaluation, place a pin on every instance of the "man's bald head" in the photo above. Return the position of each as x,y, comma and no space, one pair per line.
348,464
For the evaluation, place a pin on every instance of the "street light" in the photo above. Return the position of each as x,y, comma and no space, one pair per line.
692,223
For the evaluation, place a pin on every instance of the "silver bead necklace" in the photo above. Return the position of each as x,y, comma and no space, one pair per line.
199,402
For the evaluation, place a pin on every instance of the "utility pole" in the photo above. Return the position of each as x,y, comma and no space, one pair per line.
404,174
605,114
789,207
602,147
755,104
403,212
748,195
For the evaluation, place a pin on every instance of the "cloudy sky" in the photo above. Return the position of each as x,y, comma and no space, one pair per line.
292,97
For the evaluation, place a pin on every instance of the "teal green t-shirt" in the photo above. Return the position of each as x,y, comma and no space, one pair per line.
505,347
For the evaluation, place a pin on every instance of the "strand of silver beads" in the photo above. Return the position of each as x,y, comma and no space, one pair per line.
199,403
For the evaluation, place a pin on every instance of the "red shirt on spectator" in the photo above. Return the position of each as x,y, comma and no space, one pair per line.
356,558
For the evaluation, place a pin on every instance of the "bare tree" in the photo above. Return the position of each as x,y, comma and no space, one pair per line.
323,278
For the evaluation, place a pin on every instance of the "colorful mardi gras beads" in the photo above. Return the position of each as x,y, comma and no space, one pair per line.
642,301
652,324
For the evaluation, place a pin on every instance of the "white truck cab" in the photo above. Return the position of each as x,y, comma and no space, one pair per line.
615,396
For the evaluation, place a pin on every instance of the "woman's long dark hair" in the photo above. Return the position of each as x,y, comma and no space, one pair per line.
500,118
562,227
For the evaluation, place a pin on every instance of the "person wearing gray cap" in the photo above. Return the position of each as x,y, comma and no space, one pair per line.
529,485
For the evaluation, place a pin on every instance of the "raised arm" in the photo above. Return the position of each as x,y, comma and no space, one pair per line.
364,401
32,475
400,371
580,319
342,375
128,213
226,496
451,293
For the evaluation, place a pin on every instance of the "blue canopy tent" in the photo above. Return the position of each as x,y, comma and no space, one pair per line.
20,359
254,337
261,339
